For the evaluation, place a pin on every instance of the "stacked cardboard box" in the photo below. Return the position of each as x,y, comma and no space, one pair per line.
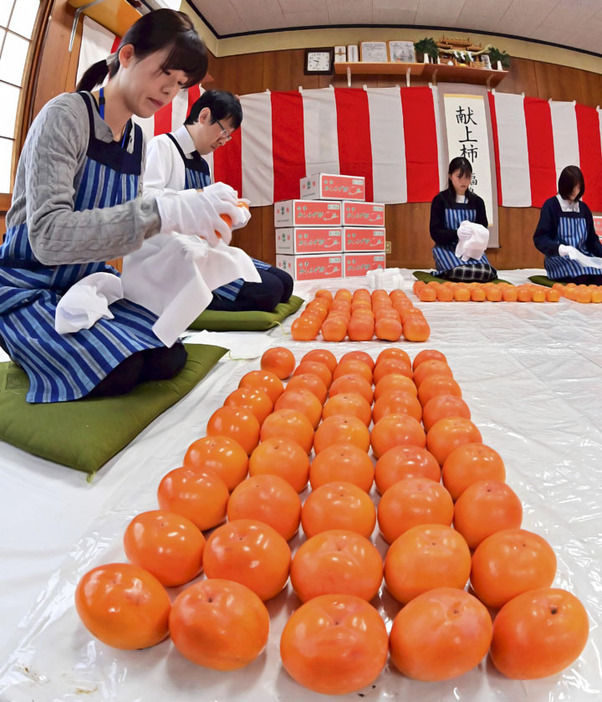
331,231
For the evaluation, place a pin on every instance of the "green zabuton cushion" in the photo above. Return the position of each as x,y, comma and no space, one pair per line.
215,320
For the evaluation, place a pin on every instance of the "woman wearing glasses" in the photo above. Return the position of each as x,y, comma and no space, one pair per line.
175,162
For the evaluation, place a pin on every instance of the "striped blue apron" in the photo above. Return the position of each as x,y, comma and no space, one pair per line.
572,231
196,171
444,254
67,366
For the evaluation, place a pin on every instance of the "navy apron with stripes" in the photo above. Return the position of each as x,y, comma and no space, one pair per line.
444,254
196,175
68,366
572,231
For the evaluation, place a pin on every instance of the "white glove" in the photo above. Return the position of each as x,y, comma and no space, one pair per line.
226,201
472,240
192,212
566,251
576,255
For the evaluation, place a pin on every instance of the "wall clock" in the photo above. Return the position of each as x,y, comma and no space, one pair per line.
319,61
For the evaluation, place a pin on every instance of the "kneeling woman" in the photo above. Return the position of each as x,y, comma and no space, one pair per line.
449,209
565,233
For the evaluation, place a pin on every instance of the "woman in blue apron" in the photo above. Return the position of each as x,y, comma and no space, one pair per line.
75,205
175,162
449,209
566,235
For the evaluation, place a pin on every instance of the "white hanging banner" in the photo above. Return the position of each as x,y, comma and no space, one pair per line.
467,135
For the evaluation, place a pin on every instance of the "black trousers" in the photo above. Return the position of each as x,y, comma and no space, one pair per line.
276,286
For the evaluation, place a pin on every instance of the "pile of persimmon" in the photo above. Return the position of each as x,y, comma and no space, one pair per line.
339,447
360,316
447,291
579,293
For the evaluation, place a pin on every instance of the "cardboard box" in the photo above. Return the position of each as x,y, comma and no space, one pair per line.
309,240
360,263
327,186
311,267
309,213
364,239
363,214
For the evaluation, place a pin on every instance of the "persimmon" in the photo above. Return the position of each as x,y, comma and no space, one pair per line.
166,544
427,294
524,293
341,429
305,328
443,406
201,497
387,366
510,293
538,295
349,403
360,327
267,381
289,424
311,382
396,430
402,462
269,499
352,383
218,454
425,557
342,461
317,368
539,633
354,367
397,402
415,326
485,507
281,456
219,624
279,360
338,505
321,356
432,367
434,385
358,356
388,329
336,562
256,399
428,355
494,293
553,295
395,381
324,294
334,328
462,293
448,433
468,463
410,502
237,423
445,294
477,294
394,352
123,605
440,635
303,400
334,644
250,553
509,563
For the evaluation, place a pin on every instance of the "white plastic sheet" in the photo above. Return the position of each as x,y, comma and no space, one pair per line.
532,376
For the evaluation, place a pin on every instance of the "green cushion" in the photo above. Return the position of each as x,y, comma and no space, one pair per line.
544,280
214,320
85,434
427,277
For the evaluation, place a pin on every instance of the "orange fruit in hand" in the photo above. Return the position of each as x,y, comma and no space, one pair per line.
303,400
338,505
402,462
321,356
334,644
311,382
352,383
166,544
289,424
250,553
396,430
408,503
264,380
342,461
397,402
426,557
221,455
448,433
219,624
440,635
538,634
283,457
443,406
237,423
279,360
468,463
509,563
269,499
349,403
257,400
341,429
336,562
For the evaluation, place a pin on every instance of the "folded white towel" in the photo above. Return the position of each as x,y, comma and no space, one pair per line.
86,302
576,255
472,240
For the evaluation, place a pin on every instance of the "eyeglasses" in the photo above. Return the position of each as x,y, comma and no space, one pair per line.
224,134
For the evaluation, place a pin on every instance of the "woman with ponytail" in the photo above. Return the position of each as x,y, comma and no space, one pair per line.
77,203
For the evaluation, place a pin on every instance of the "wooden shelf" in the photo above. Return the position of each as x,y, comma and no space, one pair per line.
430,71
115,15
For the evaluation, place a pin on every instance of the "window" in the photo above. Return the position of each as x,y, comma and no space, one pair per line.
17,21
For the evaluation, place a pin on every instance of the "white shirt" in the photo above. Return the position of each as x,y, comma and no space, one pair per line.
165,170
567,205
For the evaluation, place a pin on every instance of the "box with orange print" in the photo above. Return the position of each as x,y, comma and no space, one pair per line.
331,186
309,240
358,264
309,213
364,239
362,214
311,266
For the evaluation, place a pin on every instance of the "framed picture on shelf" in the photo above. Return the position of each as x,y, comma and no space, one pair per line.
402,52
373,51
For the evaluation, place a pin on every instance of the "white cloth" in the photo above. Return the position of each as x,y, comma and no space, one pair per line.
86,302
472,240
173,275
389,278
576,255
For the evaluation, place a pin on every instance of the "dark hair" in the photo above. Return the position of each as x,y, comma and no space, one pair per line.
153,32
458,164
222,105
569,178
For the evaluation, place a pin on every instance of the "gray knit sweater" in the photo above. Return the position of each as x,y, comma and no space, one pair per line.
52,159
